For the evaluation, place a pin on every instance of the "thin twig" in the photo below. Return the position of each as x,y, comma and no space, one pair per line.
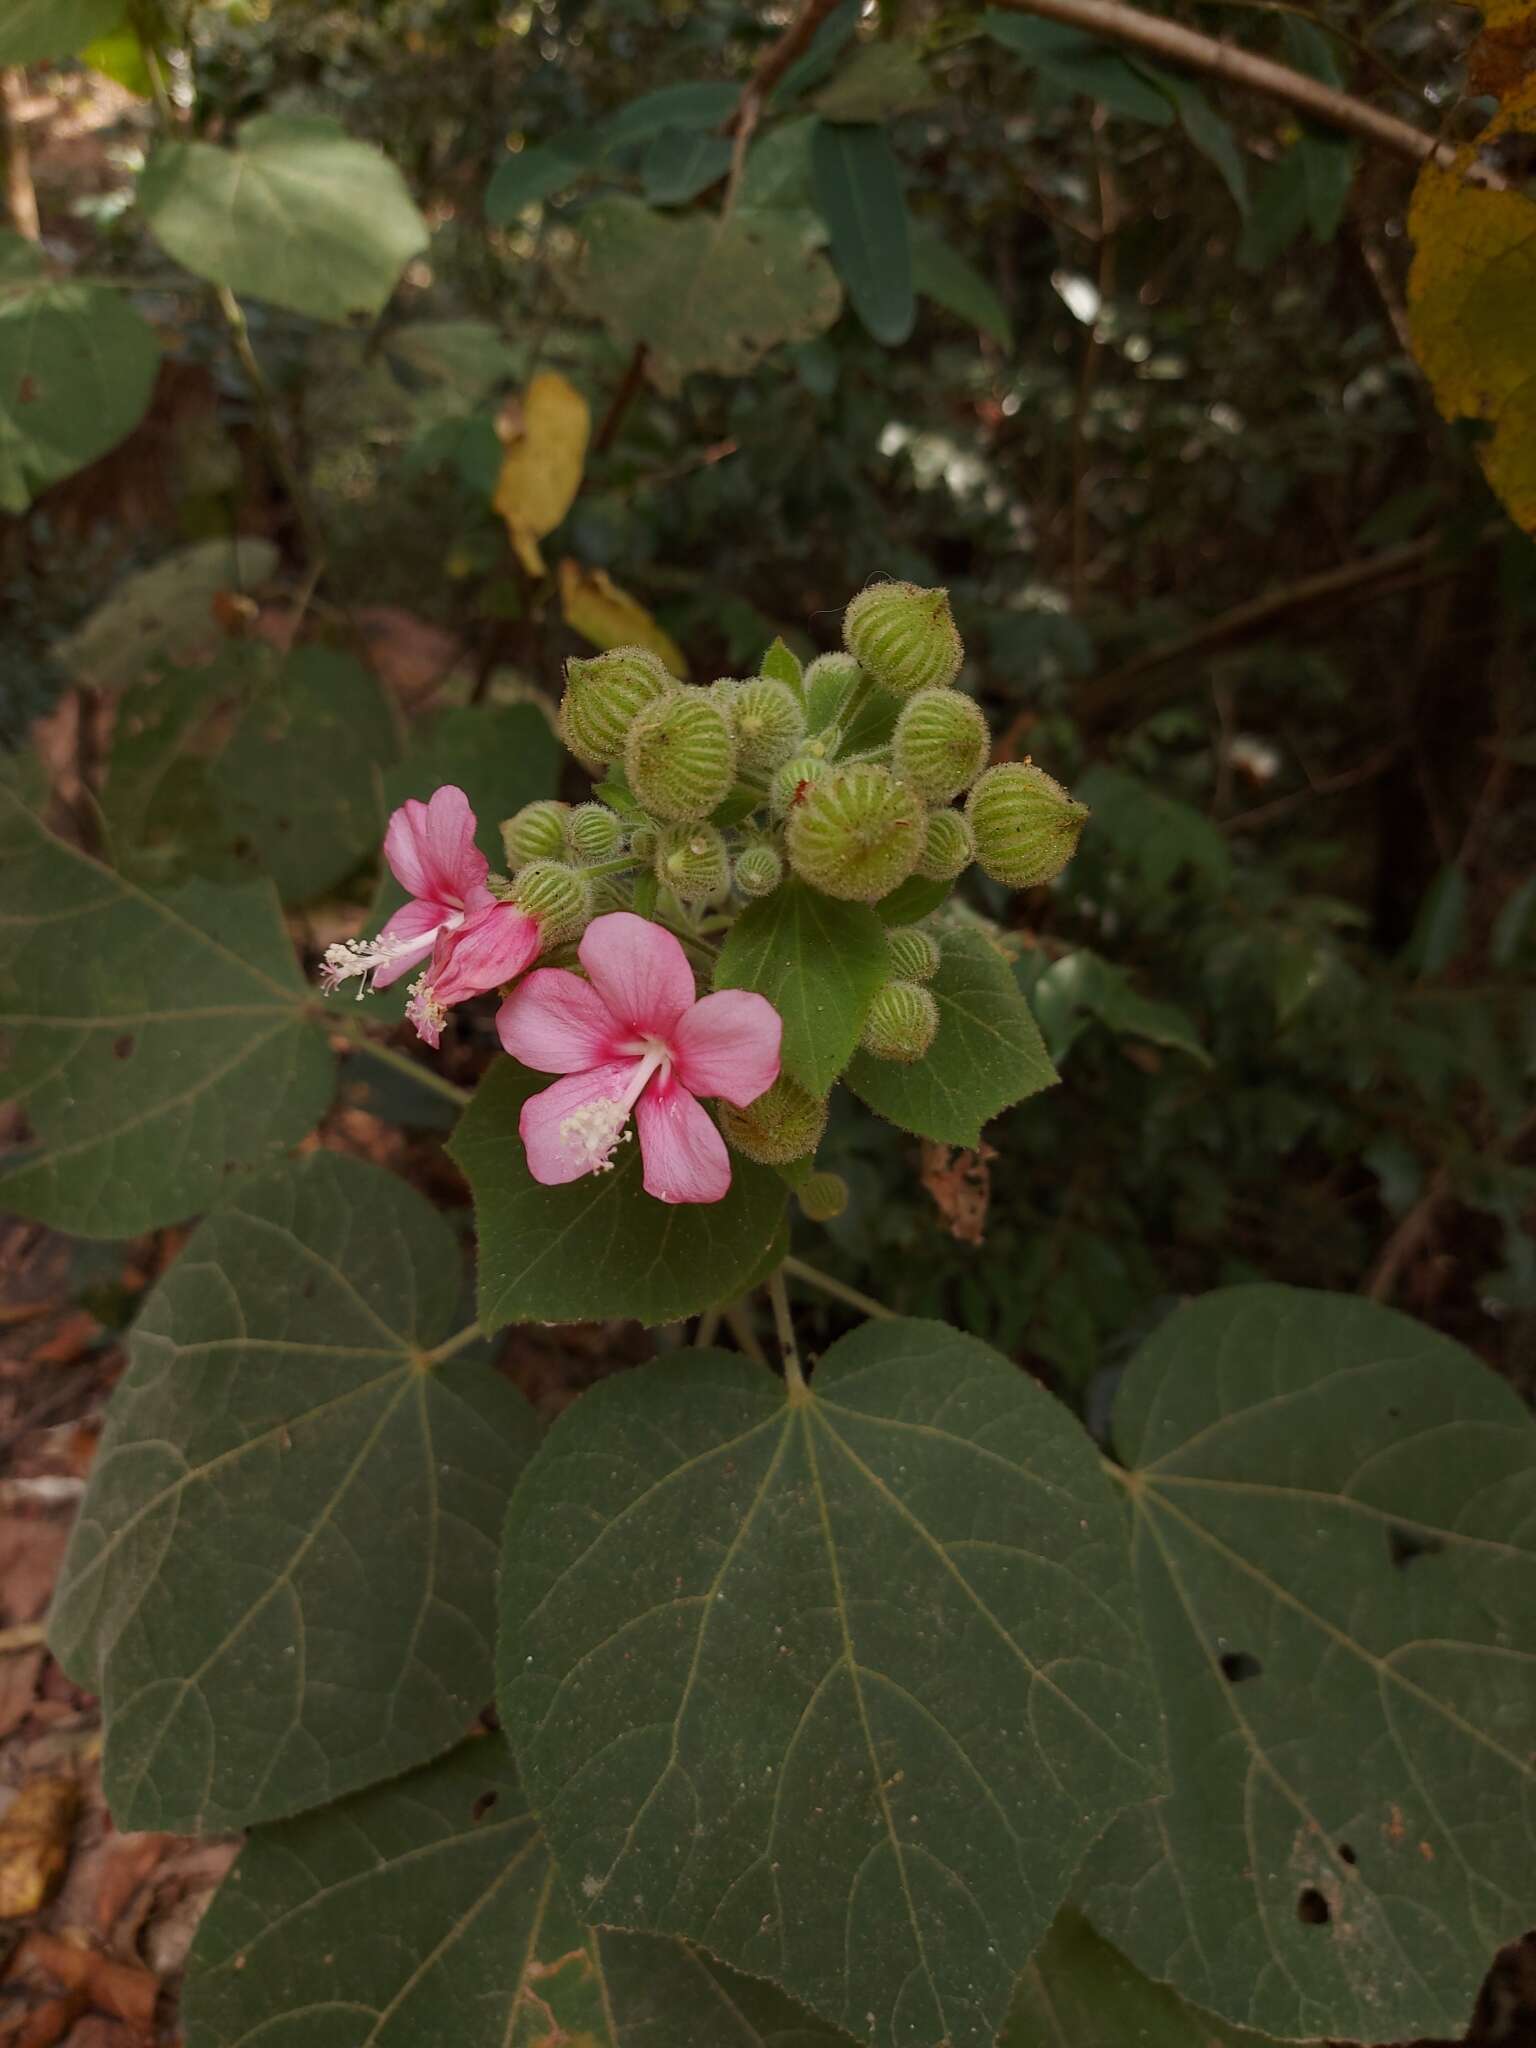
1109,221
272,429
402,1062
20,193
708,1329
623,398
1381,1282
784,1328
739,1323
839,1290
778,57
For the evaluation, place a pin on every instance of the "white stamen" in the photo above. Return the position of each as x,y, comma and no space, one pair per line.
365,956
424,1010
592,1133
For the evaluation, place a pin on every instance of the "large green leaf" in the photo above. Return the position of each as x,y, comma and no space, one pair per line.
942,273
427,1914
698,292
298,213
1078,1992
156,1041
859,196
1335,1512
32,31
164,613
838,1684
819,963
601,1246
987,1055
280,1581
77,368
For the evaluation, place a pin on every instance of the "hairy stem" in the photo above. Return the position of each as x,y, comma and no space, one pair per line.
838,1289
784,1328
428,1077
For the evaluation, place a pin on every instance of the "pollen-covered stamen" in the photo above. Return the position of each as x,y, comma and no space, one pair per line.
364,957
592,1134
425,1011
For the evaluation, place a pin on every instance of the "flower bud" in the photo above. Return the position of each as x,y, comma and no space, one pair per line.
940,744
904,636
595,832
769,721
783,1124
536,832
759,870
914,953
692,862
857,833
603,696
558,899
948,848
643,841
790,783
680,756
901,1023
823,1197
1026,825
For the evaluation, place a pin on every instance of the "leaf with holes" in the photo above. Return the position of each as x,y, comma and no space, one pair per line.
1334,1521
298,213
839,1685
601,1246
157,1041
280,1580
1077,1992
819,963
987,1054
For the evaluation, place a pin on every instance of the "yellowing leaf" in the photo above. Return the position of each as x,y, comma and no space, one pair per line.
1472,295
596,608
541,471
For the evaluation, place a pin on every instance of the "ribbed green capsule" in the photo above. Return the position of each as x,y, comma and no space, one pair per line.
759,870
595,832
940,744
558,898
769,722
692,862
856,834
536,832
791,782
948,846
604,695
902,1023
823,1197
784,1124
1025,824
904,636
680,756
914,953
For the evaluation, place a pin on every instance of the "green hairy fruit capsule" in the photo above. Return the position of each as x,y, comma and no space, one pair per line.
940,744
680,756
823,1197
904,636
759,870
595,832
769,722
948,848
1026,825
692,862
791,782
536,832
786,1123
642,842
901,1023
603,697
857,833
914,953
558,899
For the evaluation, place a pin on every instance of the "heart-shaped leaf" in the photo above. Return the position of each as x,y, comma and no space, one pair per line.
837,1684
1335,1513
280,1581
156,1041
602,1246
819,962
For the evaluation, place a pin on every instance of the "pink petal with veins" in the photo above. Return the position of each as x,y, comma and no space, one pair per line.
557,1023
685,1156
565,1129
728,1045
639,970
414,921
431,847
491,948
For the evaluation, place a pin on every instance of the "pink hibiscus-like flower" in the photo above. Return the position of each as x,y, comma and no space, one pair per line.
475,941
632,1038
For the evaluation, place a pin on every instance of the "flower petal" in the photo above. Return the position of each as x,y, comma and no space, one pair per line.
489,949
557,1023
639,970
685,1156
572,1127
728,1045
431,847
412,928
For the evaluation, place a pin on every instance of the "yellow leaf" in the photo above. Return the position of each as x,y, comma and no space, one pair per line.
1472,288
596,608
546,438
34,1844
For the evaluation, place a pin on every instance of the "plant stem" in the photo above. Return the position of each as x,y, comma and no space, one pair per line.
739,1324
619,866
402,1063
838,1289
452,1346
271,425
784,1326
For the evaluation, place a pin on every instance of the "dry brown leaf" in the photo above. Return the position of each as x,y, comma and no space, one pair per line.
34,1844
121,1989
961,1186
596,608
545,434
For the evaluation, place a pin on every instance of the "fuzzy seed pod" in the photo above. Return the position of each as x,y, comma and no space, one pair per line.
759,870
680,756
791,782
857,834
914,953
828,685
769,721
558,898
595,832
901,1023
948,848
904,636
940,744
783,1124
642,842
603,697
1026,825
536,832
692,862
823,1197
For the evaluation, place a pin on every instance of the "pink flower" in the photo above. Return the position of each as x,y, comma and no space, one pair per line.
475,941
631,1037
